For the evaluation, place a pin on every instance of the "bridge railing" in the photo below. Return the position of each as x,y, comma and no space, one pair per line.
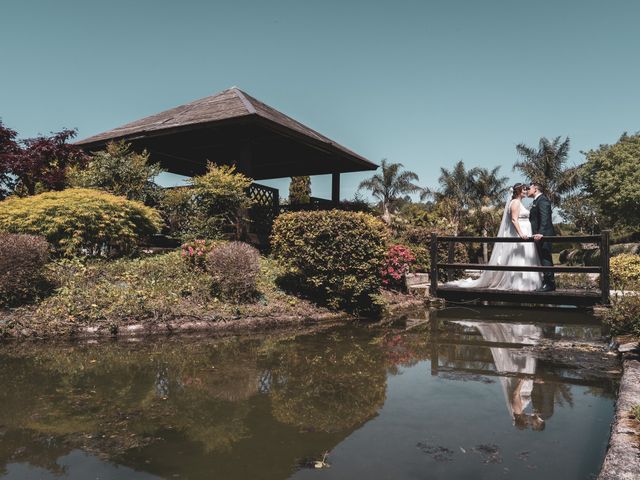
450,265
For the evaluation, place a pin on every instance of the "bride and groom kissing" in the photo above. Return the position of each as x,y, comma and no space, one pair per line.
518,221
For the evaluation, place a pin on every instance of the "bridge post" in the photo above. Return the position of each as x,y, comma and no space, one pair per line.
604,263
434,265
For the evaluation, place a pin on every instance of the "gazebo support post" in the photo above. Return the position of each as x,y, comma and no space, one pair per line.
335,188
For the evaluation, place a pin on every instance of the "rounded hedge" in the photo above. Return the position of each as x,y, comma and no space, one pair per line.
334,256
81,221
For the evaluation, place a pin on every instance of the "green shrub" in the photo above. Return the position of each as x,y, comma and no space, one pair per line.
120,171
419,240
625,272
81,221
195,252
177,210
624,315
333,256
22,261
234,268
212,204
98,291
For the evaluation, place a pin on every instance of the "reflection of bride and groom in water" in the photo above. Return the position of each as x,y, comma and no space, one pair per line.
529,399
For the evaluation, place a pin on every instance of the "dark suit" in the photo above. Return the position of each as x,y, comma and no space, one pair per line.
540,217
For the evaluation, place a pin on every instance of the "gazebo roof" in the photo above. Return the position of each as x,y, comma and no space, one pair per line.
233,127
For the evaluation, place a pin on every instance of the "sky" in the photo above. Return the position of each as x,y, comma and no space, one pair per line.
423,83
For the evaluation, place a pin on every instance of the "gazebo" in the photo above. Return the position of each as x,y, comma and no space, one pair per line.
232,127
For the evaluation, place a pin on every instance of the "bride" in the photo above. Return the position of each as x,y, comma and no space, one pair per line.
515,223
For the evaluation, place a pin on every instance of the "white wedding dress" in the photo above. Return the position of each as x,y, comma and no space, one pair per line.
512,254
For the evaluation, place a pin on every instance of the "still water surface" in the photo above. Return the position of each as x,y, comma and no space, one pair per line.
442,395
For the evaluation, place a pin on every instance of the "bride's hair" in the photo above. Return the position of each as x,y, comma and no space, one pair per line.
517,189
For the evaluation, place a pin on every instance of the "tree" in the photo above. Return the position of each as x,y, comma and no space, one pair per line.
546,165
456,190
488,187
611,175
120,171
36,164
578,209
488,191
300,190
389,185
9,148
468,198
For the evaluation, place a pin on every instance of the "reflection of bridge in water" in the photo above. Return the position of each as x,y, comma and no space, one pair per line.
477,350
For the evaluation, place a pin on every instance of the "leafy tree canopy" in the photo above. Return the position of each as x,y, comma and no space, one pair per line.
36,164
547,165
390,185
611,175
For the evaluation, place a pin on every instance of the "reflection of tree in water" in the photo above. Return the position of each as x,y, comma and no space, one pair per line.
108,399
328,387
404,350
39,450
272,400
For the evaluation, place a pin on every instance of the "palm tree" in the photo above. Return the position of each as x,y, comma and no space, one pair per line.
477,190
546,166
489,189
457,187
389,185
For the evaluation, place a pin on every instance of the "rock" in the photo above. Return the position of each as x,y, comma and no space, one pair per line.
629,347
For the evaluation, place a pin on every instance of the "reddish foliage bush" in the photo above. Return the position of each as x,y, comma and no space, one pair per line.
234,267
398,261
22,261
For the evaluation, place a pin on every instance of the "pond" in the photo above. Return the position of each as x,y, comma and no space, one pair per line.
451,394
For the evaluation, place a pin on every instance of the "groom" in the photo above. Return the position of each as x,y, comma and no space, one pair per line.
541,225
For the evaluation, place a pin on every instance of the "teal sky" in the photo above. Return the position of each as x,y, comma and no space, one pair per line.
424,83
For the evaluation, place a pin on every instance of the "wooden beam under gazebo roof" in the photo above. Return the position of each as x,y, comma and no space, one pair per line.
232,127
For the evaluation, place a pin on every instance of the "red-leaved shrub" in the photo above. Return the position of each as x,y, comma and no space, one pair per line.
234,268
398,261
22,261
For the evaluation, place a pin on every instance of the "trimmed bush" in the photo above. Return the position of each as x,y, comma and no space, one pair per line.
333,256
22,261
234,268
625,272
80,221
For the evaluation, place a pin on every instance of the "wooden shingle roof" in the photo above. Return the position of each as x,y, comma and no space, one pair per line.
231,104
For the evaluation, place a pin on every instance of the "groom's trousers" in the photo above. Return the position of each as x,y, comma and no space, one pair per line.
546,259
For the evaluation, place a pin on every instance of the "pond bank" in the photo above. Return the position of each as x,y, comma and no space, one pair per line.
622,461
24,323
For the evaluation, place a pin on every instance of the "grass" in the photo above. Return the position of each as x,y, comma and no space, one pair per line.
635,411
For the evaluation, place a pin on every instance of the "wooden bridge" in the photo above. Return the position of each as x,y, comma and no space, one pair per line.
573,297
